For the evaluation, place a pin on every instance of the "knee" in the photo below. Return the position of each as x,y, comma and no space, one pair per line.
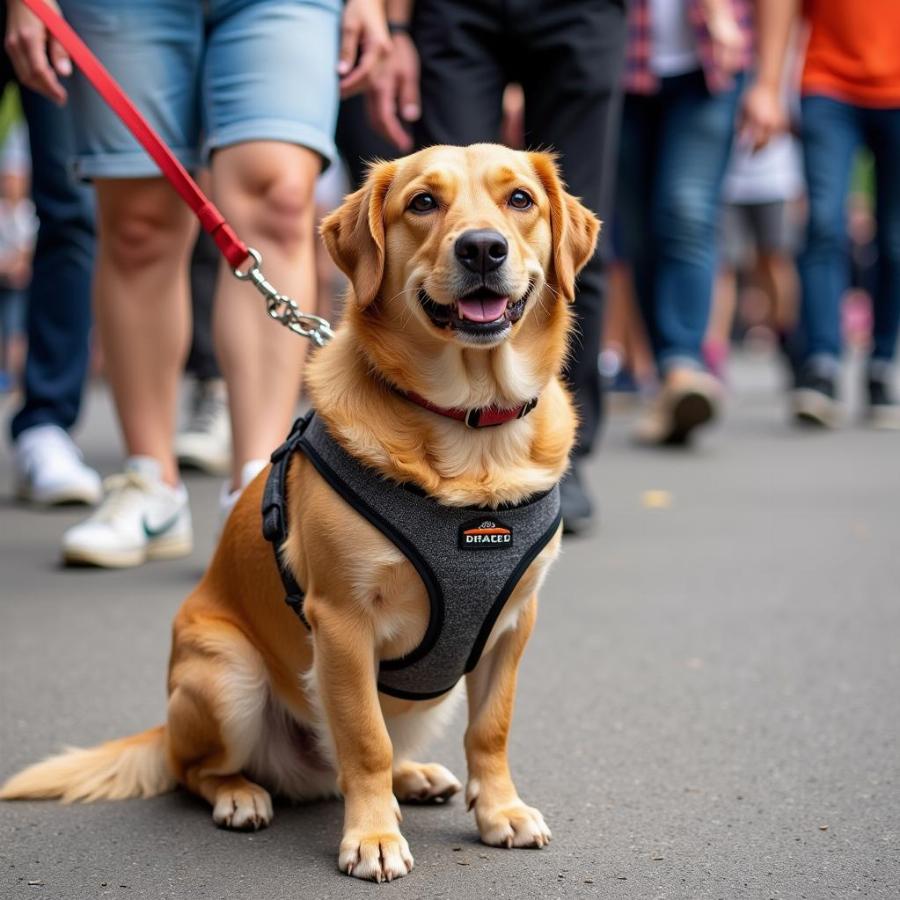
280,209
826,227
140,238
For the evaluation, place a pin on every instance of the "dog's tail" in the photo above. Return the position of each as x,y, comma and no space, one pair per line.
134,766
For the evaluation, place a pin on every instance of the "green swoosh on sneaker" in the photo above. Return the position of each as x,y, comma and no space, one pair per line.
152,533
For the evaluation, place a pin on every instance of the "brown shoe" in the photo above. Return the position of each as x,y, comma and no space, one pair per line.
687,400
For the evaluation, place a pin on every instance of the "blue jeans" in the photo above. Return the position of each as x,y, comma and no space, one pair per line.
673,155
832,132
59,303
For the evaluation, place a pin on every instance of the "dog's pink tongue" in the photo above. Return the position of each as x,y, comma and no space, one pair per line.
481,310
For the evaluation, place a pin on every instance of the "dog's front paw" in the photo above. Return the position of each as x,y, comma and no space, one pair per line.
376,857
424,783
507,824
246,808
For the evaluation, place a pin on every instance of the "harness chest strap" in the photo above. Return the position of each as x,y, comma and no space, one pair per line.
470,559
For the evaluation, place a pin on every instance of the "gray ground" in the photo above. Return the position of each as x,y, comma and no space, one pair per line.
710,706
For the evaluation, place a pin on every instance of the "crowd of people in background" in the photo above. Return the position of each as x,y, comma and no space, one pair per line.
719,140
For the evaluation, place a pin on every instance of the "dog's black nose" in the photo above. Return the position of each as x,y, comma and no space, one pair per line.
481,250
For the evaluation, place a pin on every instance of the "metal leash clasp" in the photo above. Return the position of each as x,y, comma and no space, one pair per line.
282,308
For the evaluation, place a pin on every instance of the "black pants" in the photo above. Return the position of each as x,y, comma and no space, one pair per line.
566,54
201,361
358,143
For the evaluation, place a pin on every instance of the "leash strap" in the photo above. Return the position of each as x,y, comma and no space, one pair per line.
279,307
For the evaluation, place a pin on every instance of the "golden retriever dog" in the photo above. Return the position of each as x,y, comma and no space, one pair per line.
462,263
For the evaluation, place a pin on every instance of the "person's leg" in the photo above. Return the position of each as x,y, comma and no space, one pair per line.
570,75
462,45
778,276
59,309
693,141
268,140
142,308
204,276
204,440
145,232
830,131
144,237
695,144
266,191
733,244
883,136
635,178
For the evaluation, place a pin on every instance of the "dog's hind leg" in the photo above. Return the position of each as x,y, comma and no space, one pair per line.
424,782
218,688
411,731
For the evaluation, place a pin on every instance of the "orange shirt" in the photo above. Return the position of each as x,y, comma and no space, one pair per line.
854,51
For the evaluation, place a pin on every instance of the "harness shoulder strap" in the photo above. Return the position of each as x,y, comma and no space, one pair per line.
274,513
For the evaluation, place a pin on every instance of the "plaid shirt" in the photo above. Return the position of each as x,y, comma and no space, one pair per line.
639,77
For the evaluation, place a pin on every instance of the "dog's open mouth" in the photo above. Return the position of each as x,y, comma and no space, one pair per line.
482,312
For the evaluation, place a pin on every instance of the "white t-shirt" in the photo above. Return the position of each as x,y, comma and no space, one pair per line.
673,50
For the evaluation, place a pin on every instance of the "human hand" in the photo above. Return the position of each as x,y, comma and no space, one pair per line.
728,41
365,43
38,58
393,98
762,115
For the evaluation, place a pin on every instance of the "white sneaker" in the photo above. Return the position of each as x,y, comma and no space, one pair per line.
50,471
205,442
228,497
141,518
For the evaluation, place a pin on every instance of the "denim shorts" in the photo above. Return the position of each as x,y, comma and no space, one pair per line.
207,74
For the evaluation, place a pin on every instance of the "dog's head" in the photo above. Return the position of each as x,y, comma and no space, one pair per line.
462,243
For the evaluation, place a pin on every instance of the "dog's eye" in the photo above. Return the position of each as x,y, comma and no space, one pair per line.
518,199
422,203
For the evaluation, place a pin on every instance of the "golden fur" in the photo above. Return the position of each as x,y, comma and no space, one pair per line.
253,697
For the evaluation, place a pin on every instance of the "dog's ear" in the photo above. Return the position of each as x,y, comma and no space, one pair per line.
573,225
354,233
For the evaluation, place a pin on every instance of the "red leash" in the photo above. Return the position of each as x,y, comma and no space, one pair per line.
280,307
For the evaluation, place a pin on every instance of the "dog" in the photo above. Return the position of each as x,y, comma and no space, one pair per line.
462,265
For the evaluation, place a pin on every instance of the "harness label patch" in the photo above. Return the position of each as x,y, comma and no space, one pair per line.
485,534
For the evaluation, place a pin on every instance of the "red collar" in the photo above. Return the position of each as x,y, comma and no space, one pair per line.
484,417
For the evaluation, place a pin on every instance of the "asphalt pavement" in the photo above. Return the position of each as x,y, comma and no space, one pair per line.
710,707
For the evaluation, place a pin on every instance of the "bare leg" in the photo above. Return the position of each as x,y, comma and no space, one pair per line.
721,316
145,234
265,189
503,819
778,275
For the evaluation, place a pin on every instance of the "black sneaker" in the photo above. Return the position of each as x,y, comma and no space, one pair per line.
577,508
814,399
883,410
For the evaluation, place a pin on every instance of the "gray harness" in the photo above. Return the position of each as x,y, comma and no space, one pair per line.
470,559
